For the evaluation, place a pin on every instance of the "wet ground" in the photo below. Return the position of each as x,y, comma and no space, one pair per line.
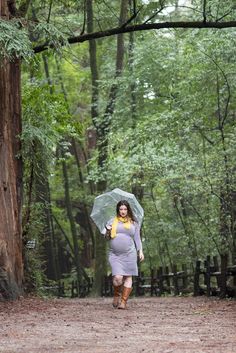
160,325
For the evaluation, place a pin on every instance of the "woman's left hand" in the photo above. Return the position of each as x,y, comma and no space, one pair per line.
141,256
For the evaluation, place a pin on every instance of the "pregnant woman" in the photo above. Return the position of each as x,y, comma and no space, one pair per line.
125,244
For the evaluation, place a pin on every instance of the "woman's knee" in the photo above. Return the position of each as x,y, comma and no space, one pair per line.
128,281
117,280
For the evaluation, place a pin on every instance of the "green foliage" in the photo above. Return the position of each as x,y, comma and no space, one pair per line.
14,40
172,148
171,137
50,34
34,259
46,123
46,120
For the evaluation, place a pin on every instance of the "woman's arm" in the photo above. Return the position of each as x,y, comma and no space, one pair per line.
138,242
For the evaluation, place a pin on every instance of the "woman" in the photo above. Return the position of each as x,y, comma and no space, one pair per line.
124,235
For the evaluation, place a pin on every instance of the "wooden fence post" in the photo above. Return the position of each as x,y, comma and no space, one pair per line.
61,289
167,278
197,272
160,280
223,276
175,280
153,281
217,270
207,265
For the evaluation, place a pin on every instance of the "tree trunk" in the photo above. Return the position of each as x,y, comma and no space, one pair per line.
103,127
71,219
100,246
50,247
86,236
11,264
52,266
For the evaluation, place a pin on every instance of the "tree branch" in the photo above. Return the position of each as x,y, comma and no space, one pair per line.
141,27
134,6
49,12
202,134
226,14
84,22
162,6
204,11
224,117
135,14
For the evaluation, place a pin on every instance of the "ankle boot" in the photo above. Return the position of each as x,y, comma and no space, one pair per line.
116,297
125,295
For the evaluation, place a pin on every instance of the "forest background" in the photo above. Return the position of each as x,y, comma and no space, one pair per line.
151,112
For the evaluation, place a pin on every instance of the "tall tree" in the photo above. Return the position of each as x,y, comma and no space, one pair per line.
103,127
11,265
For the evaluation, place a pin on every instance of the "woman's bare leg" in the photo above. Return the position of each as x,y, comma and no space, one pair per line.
128,281
117,280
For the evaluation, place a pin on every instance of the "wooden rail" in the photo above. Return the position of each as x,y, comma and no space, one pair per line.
207,278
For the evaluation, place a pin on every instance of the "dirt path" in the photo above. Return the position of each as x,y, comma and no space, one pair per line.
160,325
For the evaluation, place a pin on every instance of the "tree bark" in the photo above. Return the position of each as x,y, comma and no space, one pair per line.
11,264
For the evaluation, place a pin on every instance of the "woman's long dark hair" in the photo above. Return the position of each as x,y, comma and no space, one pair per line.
129,210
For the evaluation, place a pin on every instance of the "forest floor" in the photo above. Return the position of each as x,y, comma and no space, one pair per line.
159,325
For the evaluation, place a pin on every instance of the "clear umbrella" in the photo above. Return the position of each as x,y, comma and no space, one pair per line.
104,207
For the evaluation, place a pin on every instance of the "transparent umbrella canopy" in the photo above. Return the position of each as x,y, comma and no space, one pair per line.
104,207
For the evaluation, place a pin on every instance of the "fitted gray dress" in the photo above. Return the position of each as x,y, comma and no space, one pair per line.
123,250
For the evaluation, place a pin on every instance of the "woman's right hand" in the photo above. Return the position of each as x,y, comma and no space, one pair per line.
108,232
108,228
141,256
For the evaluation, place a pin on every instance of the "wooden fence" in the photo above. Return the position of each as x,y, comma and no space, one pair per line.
205,278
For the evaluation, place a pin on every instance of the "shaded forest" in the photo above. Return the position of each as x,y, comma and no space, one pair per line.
95,95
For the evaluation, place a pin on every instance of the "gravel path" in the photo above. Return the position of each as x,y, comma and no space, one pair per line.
160,325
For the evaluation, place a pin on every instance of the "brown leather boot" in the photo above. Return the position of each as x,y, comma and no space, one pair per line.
125,295
116,296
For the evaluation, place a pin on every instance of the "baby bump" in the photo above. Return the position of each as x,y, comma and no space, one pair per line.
121,243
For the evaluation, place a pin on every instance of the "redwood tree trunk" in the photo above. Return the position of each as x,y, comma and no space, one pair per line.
11,265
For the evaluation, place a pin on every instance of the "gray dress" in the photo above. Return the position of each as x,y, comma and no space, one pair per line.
123,250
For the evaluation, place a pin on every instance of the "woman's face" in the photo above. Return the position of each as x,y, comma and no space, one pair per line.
123,211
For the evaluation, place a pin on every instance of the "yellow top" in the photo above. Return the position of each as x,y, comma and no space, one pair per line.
125,220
